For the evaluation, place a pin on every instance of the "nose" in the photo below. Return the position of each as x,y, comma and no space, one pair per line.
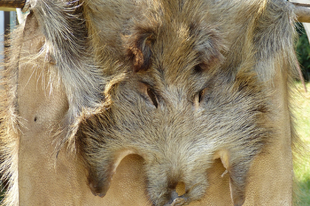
176,200
177,195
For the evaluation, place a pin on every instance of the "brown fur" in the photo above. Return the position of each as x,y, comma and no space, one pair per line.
179,83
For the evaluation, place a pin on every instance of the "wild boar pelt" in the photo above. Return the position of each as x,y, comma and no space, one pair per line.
94,62
66,41
165,45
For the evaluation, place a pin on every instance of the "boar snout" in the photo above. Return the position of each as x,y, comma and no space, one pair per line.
176,200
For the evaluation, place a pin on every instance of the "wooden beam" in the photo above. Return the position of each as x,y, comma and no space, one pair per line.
12,3
7,9
302,12
301,4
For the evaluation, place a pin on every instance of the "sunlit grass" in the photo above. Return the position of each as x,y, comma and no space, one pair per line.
302,169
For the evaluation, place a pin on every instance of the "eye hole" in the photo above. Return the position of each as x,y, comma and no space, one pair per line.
199,96
198,68
148,93
152,96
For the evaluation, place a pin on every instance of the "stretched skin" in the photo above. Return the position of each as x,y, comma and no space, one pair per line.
43,179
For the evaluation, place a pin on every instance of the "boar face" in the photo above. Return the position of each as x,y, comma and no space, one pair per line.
178,108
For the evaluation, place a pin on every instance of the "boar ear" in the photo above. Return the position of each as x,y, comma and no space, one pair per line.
139,49
209,45
237,176
210,53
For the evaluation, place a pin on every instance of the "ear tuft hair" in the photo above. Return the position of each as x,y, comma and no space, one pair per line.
139,49
209,46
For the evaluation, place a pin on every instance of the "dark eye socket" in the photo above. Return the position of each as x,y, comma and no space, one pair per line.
152,96
200,96
198,68
148,93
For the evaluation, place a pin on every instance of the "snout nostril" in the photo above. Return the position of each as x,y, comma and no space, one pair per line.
178,201
177,194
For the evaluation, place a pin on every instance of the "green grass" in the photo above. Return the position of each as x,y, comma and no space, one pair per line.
302,168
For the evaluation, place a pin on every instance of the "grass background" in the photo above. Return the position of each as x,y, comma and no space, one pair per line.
302,167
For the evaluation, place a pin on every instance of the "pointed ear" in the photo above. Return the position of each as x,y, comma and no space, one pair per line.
237,175
209,45
139,48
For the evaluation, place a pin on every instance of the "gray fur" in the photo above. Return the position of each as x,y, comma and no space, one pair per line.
173,81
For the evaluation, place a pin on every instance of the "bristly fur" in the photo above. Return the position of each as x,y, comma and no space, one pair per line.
177,50
64,27
9,122
173,81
